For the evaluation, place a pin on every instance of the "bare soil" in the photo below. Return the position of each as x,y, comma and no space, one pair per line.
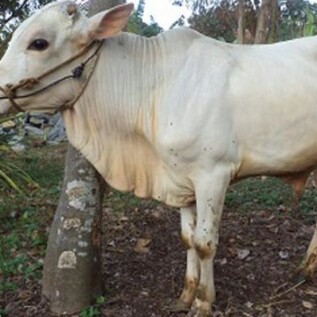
144,265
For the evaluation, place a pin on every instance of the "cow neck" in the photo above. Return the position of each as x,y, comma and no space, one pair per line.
10,91
95,57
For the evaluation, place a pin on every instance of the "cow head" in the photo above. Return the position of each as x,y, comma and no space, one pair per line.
48,38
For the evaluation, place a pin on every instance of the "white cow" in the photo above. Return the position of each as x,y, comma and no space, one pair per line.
177,117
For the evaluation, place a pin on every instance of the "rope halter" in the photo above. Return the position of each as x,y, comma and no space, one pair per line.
10,90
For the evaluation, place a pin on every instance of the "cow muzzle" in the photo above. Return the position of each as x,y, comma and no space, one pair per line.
9,92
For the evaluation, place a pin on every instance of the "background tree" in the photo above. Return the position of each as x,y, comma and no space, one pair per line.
138,26
241,22
219,19
263,22
252,21
12,12
71,279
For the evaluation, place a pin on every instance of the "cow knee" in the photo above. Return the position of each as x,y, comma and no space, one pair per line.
206,238
187,240
205,249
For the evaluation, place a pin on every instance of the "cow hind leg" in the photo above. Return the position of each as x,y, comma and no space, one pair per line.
188,223
309,264
210,196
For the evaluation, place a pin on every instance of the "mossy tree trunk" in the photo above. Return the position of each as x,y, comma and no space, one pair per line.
71,277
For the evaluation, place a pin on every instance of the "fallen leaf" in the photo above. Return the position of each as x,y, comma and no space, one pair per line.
141,246
249,304
222,261
307,304
282,208
243,254
311,292
112,244
25,294
124,218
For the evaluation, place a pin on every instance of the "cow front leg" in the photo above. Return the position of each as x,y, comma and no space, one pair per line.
309,264
209,199
188,224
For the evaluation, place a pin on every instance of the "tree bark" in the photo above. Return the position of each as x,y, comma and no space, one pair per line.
274,22
241,22
71,276
262,24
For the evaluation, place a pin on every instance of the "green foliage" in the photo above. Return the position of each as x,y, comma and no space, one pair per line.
90,312
16,9
255,193
137,26
197,6
298,18
273,194
23,221
218,19
94,310
310,26
12,175
218,22
118,201
12,12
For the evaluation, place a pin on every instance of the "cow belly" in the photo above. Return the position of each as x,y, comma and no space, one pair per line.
277,162
158,184
132,165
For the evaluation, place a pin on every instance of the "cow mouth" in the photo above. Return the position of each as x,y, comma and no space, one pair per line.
5,107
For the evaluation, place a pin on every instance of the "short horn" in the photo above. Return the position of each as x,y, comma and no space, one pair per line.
71,9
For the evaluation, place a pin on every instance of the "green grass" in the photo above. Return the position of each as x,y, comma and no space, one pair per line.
255,193
270,194
24,218
93,310
120,202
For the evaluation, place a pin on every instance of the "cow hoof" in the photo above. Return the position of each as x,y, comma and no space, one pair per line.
178,306
195,313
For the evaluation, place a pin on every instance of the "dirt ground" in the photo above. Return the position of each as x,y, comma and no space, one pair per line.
144,264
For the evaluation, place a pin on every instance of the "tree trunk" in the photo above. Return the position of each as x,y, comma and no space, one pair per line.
72,264
262,25
274,22
241,22
71,276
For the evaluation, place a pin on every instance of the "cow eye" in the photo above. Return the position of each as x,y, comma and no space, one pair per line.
38,45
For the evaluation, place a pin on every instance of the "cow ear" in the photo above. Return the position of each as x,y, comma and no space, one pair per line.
108,23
